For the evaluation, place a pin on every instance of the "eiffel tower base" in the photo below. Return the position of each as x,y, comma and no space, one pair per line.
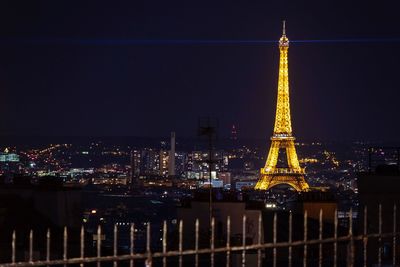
297,181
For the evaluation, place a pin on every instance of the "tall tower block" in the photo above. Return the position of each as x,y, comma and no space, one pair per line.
282,138
135,168
171,156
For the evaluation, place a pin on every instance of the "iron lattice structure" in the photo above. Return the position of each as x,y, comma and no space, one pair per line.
282,137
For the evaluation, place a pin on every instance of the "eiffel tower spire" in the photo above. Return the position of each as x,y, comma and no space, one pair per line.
282,137
283,124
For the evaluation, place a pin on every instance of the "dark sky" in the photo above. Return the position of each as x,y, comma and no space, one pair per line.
73,67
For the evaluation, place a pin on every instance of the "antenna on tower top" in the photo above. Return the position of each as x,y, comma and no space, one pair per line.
284,28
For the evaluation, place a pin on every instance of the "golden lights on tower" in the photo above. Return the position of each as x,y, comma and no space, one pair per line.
282,137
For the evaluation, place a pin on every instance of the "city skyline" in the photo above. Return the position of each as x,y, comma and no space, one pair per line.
160,133
64,75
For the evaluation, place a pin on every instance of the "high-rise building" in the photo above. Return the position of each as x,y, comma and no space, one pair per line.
171,158
164,163
181,163
150,162
282,138
198,164
135,166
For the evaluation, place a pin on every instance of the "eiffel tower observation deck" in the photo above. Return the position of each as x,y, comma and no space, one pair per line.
282,138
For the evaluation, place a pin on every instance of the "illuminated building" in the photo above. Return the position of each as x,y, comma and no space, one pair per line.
9,157
181,161
198,164
150,162
225,177
282,137
171,158
164,165
9,162
135,163
135,166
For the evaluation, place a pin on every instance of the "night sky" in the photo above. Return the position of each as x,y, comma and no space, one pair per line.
145,68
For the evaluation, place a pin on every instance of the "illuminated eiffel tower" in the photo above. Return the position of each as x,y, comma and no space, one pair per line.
282,138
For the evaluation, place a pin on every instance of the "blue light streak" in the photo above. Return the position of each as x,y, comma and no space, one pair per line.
139,42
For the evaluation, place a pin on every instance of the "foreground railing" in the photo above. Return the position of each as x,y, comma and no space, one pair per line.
355,244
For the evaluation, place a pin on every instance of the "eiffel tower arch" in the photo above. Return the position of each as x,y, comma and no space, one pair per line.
282,139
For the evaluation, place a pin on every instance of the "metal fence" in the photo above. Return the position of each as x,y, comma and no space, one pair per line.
349,249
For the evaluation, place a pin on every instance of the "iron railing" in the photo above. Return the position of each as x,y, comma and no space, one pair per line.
265,253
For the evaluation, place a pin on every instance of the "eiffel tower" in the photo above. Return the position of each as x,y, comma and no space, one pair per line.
282,138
